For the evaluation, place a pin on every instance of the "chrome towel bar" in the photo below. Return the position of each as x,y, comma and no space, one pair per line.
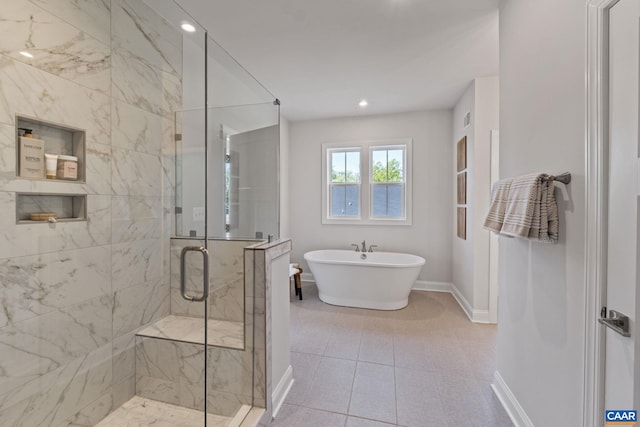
564,178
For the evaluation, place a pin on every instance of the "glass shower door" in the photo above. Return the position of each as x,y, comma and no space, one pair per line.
171,354
244,165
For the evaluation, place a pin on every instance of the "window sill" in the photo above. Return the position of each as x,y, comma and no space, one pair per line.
360,221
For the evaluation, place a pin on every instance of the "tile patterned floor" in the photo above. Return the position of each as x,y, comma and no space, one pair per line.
426,365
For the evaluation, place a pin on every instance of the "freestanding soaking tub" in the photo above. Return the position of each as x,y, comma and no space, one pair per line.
377,280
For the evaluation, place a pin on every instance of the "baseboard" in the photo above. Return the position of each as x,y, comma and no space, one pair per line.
424,285
509,402
307,277
476,316
281,390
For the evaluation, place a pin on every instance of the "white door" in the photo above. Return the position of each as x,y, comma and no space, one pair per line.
622,240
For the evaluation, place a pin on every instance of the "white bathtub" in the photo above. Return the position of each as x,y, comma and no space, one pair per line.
380,280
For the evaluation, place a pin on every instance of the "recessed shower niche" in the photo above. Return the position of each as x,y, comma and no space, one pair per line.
34,208
58,140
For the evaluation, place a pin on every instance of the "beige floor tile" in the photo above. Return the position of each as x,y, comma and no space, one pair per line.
442,364
328,399
373,393
376,347
330,387
344,344
376,406
304,367
363,422
372,378
297,416
418,398
334,373
411,353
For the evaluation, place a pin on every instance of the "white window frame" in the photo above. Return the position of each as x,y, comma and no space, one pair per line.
401,184
331,184
366,184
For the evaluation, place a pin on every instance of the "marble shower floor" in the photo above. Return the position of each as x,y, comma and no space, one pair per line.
425,365
141,412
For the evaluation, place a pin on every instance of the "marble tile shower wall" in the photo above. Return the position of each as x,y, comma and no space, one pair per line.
73,294
171,372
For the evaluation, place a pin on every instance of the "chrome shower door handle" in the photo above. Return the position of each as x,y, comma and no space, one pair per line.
205,273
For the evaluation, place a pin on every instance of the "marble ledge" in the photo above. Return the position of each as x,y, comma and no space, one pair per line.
276,248
220,333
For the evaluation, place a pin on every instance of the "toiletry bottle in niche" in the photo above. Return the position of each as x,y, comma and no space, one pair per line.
27,133
51,165
31,156
67,167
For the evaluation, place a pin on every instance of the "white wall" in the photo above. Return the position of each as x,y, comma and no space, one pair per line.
462,253
280,337
487,117
429,236
255,205
542,128
471,256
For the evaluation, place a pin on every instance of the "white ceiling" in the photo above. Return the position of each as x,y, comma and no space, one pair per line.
320,57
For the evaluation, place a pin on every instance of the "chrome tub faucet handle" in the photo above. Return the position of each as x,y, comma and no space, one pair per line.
357,247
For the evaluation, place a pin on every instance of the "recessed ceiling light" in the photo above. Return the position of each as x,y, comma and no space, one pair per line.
363,103
188,27
27,54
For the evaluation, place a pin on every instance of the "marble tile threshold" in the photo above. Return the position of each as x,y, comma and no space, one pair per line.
220,333
139,411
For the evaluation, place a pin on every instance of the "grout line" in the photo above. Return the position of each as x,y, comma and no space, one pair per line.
355,372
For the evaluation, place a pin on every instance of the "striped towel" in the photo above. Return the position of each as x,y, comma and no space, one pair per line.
531,210
499,197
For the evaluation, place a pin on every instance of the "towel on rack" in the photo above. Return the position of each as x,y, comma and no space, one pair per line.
552,215
531,210
497,208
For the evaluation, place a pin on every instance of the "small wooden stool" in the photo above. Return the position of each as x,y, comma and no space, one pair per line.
295,270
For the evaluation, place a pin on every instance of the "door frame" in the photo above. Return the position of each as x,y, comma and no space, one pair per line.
494,241
596,162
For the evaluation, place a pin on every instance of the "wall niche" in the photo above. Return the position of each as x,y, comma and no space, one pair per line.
39,208
58,140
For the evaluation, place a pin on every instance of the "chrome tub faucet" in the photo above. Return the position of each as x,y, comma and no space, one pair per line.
363,247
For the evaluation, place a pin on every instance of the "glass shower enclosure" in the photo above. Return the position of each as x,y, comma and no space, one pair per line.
225,198
129,303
